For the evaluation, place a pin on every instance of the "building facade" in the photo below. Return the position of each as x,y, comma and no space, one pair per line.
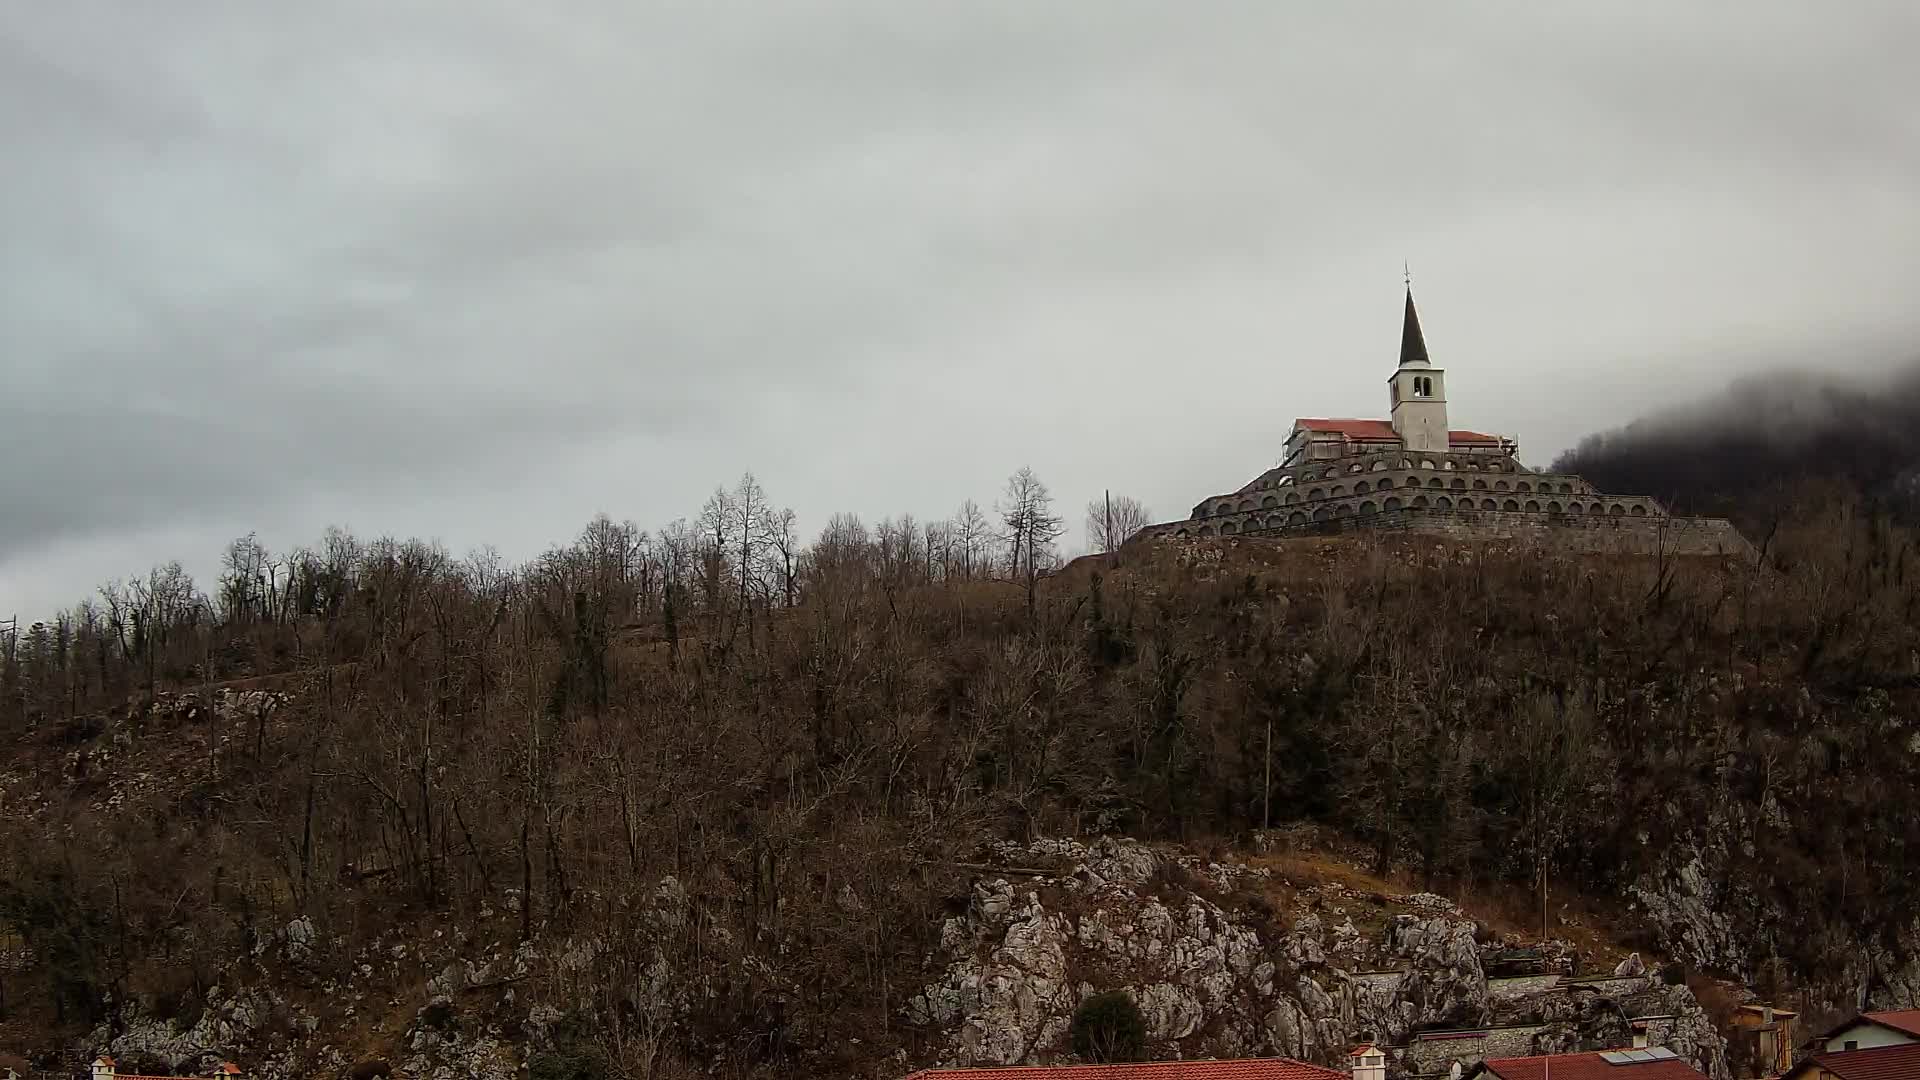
1415,472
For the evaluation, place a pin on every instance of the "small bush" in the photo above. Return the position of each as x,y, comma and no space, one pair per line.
438,1015
1108,1028
565,1065
80,730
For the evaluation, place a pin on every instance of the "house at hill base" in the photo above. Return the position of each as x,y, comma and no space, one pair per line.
1454,1053
1899,1062
1871,1046
1236,1069
1414,472
1762,1041
1651,1063
1871,1029
105,1068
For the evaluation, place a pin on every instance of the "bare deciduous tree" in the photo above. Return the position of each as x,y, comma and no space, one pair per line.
1113,519
1026,512
973,538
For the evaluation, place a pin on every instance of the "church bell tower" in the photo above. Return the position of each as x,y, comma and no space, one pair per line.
1419,390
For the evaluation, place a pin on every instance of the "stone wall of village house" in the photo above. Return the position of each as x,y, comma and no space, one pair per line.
1433,1055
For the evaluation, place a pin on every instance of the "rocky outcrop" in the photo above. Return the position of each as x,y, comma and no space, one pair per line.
1216,965
227,1023
1213,981
1895,970
1703,899
1694,909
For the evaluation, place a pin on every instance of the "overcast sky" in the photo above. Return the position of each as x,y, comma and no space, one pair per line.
476,270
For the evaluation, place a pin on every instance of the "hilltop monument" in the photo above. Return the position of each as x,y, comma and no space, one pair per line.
1414,472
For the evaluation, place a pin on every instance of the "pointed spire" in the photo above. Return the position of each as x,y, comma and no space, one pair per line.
1413,346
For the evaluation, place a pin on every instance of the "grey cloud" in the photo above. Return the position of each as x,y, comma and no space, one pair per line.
273,265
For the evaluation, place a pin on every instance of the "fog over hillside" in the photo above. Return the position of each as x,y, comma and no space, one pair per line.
1764,439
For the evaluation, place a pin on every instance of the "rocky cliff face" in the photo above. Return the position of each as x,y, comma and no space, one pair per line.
1214,980
1714,903
1216,965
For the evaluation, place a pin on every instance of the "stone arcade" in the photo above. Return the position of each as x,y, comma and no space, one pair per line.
1413,472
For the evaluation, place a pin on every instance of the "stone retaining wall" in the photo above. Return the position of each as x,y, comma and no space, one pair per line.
1613,986
1521,986
1585,533
1434,1052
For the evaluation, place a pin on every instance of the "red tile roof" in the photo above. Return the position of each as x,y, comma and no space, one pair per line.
1352,429
1381,430
1242,1069
1880,1063
1457,436
1907,1020
1589,1067
103,1060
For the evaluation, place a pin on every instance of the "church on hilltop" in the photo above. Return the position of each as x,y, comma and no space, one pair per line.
1414,472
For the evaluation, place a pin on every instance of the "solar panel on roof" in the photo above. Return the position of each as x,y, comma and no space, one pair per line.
1637,1057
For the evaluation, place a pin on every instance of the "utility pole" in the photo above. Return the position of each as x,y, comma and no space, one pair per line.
1266,783
206,702
1106,538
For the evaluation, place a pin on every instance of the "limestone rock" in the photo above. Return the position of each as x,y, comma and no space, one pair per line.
1206,981
1446,983
226,1023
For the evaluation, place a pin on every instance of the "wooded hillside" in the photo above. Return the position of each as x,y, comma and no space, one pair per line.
814,741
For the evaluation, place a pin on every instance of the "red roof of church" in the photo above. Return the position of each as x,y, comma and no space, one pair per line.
1242,1069
1589,1067
1381,430
1900,1062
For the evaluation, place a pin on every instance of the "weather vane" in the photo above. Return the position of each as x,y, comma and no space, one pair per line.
1408,268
